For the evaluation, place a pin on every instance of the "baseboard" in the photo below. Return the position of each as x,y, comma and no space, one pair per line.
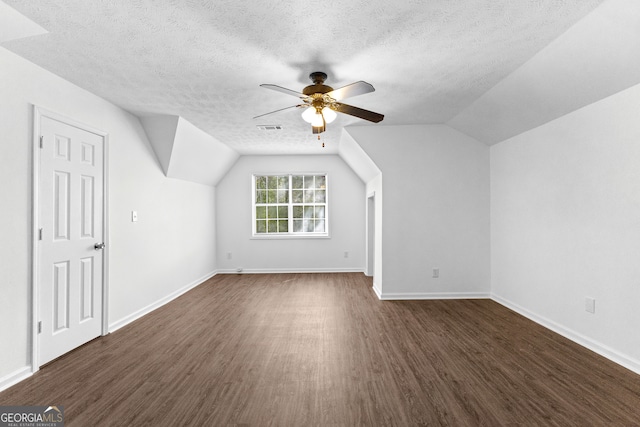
603,350
377,291
432,295
289,270
15,377
153,306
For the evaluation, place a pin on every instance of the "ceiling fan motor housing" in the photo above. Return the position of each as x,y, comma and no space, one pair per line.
312,89
318,86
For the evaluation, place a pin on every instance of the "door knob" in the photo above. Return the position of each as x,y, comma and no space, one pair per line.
99,246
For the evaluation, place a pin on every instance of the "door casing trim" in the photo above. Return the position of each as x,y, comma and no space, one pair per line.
38,114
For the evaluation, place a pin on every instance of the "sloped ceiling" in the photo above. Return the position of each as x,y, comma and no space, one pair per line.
430,62
15,25
186,152
597,57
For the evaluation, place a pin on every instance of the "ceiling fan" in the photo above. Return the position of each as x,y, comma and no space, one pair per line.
321,102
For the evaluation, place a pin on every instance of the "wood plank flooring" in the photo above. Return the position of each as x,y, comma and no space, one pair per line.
321,349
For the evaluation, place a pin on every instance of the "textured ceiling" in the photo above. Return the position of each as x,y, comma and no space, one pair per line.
204,60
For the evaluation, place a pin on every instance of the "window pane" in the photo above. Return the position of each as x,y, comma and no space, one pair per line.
272,212
319,226
297,181
297,226
283,196
283,182
283,212
272,196
308,211
298,211
297,196
308,196
320,196
319,212
261,196
308,181
261,182
261,226
308,225
261,212
272,226
283,226
321,181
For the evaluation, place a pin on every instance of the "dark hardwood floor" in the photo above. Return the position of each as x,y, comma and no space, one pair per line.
321,349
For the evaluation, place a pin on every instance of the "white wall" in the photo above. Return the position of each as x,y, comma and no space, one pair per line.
169,248
565,203
435,212
346,209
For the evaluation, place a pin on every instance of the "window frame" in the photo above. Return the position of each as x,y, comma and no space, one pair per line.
290,234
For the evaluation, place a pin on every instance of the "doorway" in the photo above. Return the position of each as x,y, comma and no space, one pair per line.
371,232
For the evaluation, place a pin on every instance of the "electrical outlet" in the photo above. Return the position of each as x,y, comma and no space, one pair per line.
346,254
436,273
590,305
229,255
134,216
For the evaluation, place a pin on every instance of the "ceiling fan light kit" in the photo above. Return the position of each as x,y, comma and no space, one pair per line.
321,102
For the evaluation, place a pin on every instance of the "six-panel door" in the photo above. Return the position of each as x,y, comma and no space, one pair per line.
71,217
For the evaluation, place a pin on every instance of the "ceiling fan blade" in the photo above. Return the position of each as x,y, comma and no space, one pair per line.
282,109
285,90
358,112
354,89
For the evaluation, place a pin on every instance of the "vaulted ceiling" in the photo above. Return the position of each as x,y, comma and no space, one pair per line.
439,61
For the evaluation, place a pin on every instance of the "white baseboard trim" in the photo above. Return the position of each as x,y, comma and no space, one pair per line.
432,295
153,306
15,377
603,350
290,270
377,291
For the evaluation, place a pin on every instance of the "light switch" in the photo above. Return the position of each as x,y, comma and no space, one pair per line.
590,305
134,216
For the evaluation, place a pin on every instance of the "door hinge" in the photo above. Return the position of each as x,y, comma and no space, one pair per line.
40,234
41,140
40,327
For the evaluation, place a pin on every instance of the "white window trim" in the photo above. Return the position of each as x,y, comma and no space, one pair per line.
291,234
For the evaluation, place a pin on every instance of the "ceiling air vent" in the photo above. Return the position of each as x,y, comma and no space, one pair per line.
270,127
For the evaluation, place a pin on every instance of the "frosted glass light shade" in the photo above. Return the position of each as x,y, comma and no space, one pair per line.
329,114
317,120
309,114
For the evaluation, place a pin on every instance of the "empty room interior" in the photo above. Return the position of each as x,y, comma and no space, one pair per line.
197,230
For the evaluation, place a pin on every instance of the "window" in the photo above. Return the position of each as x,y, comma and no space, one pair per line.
290,205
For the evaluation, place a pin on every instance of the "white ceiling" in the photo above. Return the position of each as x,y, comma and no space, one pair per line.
430,62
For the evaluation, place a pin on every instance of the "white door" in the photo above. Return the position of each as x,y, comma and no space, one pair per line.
71,222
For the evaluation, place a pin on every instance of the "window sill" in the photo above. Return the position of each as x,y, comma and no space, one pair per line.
289,236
